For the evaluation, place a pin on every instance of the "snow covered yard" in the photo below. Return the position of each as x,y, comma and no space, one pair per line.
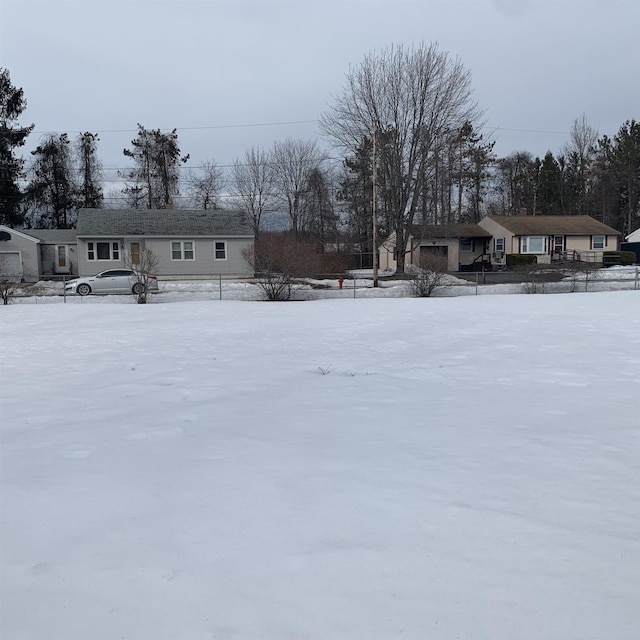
461,467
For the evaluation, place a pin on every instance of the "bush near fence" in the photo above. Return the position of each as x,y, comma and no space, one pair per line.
520,260
623,258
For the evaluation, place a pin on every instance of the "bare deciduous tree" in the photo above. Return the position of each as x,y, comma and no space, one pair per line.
253,186
292,162
144,264
205,185
405,98
583,139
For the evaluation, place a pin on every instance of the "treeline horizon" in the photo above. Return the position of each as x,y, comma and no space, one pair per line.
424,158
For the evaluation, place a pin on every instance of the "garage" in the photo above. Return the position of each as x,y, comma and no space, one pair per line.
10,264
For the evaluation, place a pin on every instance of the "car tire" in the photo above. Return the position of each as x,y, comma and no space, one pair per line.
138,289
83,289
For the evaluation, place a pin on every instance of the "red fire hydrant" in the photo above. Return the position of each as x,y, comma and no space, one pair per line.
340,281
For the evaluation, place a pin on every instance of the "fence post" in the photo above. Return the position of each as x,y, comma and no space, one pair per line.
477,274
64,289
586,281
636,284
220,282
354,286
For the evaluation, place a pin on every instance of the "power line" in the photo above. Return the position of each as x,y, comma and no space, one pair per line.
558,133
247,125
203,128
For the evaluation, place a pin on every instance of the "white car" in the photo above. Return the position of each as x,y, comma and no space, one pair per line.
111,281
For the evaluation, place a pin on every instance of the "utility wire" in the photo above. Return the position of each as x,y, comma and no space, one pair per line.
203,128
275,124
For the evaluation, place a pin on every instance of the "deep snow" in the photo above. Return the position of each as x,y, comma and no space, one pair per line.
350,469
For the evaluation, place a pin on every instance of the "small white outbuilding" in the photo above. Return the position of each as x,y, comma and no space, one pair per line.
634,236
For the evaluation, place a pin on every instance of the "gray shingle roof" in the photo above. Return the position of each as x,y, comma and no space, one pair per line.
162,222
448,231
554,225
52,236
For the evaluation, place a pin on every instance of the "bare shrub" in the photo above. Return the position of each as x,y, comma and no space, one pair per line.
278,262
429,276
144,264
9,282
580,273
333,263
532,278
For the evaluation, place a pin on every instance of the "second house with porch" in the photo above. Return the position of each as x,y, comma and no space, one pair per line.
186,243
474,247
550,238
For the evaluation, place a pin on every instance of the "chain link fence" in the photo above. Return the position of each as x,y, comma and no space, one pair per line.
355,284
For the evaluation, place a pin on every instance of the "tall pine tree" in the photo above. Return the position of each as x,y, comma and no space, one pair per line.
89,171
153,183
12,136
52,193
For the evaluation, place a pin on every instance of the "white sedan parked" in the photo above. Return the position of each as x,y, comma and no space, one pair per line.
110,281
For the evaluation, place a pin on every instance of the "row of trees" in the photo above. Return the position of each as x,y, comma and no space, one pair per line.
405,116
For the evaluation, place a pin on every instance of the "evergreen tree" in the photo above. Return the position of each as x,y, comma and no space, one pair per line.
12,136
626,169
321,218
604,195
548,186
89,171
355,192
616,178
52,193
475,160
154,180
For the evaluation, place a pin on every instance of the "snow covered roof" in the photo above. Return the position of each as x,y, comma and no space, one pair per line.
634,236
162,222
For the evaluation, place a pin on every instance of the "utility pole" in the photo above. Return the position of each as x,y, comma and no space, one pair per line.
374,210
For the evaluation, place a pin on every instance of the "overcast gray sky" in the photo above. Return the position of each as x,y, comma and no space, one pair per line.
239,73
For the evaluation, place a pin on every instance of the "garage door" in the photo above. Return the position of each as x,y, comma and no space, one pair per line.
10,264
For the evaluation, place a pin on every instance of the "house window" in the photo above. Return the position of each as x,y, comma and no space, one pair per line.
103,251
597,242
182,250
220,249
534,244
466,245
62,256
498,244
